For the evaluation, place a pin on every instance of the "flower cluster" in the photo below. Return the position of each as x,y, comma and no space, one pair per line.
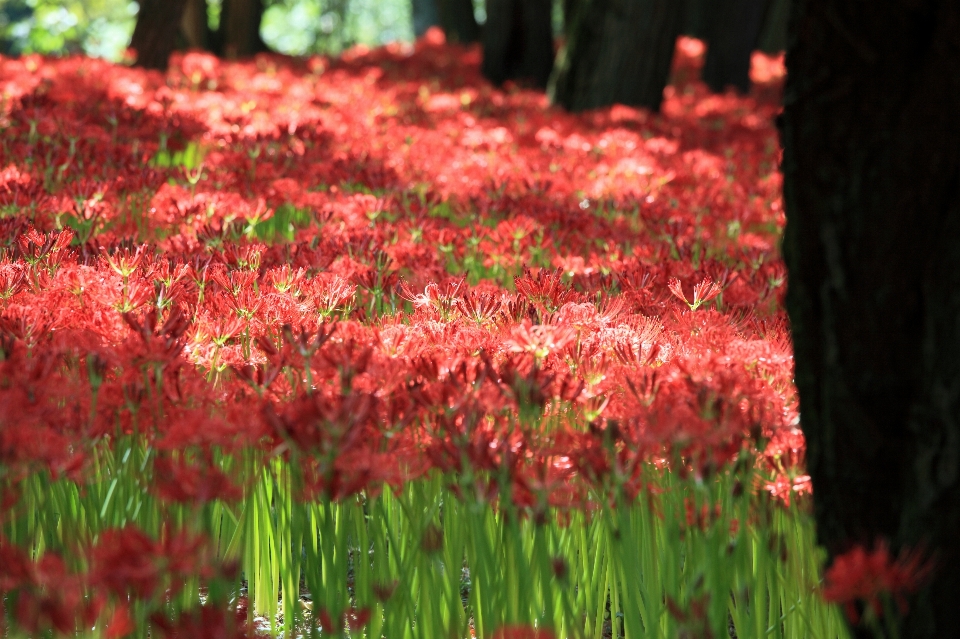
380,266
867,576
47,595
200,232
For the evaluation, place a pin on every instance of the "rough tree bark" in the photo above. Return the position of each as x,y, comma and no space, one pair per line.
239,32
619,52
518,41
155,34
734,34
457,21
871,163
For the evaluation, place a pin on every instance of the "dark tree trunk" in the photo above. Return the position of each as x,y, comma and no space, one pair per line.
424,14
571,8
193,25
773,36
155,34
457,21
734,34
697,17
518,41
871,165
620,52
239,32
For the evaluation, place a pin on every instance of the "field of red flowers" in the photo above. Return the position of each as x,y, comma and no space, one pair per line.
368,346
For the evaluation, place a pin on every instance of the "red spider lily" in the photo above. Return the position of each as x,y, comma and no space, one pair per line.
30,324
335,439
199,67
161,343
441,298
539,341
35,245
692,620
703,292
545,290
480,307
169,318
205,622
285,279
784,487
48,596
13,279
179,481
120,624
126,262
127,562
357,619
861,575
329,293
522,632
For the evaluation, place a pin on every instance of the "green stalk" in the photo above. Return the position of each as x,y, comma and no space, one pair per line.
289,541
602,587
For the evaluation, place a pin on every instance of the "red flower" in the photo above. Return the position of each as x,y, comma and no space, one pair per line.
128,562
120,624
862,575
522,632
179,481
705,291
125,562
207,622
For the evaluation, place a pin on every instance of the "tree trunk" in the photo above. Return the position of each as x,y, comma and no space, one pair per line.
518,41
457,21
620,52
697,17
570,10
424,15
773,36
155,34
734,35
871,166
193,25
239,33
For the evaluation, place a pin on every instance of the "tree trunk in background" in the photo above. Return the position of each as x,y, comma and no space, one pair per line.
193,25
700,15
697,18
239,33
571,8
457,21
424,15
733,36
871,166
620,52
518,41
773,36
155,34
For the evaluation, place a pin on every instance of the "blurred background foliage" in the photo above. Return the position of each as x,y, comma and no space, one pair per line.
103,27
97,27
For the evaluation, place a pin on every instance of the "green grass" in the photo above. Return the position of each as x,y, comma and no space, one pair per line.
439,555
